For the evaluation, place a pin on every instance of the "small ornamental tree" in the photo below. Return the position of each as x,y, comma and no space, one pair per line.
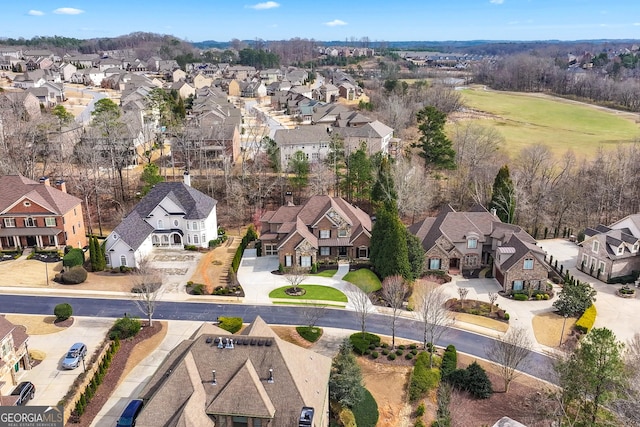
63,311
575,298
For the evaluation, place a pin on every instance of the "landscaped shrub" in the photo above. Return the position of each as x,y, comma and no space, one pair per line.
449,361
506,316
366,411
63,311
346,418
586,321
399,352
423,378
391,356
361,342
520,297
474,380
196,288
408,356
419,423
420,410
124,328
374,354
230,324
74,257
385,352
74,276
401,347
311,334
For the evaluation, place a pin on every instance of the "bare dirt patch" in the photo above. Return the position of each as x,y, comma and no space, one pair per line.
547,328
481,321
214,266
39,325
387,384
290,334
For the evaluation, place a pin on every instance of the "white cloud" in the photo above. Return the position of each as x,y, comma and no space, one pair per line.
35,12
636,24
68,11
264,6
335,23
496,1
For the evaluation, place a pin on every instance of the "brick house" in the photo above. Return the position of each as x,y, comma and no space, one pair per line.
476,239
324,227
14,356
39,214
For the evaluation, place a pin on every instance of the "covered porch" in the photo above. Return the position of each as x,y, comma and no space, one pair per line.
170,239
22,237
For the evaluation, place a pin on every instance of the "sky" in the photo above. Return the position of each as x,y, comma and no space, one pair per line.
379,20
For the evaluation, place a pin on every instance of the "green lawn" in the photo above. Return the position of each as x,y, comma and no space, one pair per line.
524,119
365,279
314,292
325,273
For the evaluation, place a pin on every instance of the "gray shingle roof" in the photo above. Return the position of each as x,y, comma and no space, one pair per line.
133,230
195,204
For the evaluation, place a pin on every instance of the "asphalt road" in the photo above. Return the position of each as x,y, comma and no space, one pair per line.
538,365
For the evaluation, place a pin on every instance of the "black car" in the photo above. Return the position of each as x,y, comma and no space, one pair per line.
24,392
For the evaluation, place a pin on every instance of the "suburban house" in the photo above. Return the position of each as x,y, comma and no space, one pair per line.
39,214
252,379
464,241
14,357
324,227
613,251
171,215
312,140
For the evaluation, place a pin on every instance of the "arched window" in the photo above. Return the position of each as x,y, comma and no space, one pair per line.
123,260
165,240
160,224
155,240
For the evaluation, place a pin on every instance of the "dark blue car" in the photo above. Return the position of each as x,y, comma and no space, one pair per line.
128,417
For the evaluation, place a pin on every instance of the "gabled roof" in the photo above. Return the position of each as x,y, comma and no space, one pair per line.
133,230
520,249
194,204
17,187
302,135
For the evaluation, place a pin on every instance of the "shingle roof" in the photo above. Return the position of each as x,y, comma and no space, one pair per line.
133,230
17,187
195,204
521,249
302,134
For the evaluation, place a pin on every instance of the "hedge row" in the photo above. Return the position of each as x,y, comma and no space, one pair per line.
366,411
423,378
230,324
74,257
586,321
361,342
449,361
249,236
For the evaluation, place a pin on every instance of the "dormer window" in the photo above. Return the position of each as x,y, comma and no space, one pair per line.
620,250
596,246
472,243
635,248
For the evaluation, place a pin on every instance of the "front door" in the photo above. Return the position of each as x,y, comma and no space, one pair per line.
454,263
342,251
31,240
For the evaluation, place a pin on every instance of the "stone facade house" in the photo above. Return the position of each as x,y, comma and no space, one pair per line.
14,357
171,215
464,241
39,214
324,227
611,251
251,379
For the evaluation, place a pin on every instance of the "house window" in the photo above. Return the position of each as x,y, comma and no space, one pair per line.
160,224
175,223
287,157
324,145
201,225
325,234
26,203
601,266
154,240
194,225
270,249
620,250
188,238
188,227
123,260
288,260
585,259
9,222
472,243
593,262
518,285
470,260
534,284
50,221
528,264
635,248
204,238
434,264
165,240
30,222
315,156
363,252
196,239
73,229
325,250
596,246
305,261
342,233
257,422
240,422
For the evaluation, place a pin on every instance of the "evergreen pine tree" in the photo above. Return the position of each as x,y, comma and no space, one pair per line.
389,252
93,255
503,198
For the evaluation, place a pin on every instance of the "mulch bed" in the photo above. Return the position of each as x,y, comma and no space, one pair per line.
63,323
110,380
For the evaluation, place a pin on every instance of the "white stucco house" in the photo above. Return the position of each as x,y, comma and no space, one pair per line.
170,216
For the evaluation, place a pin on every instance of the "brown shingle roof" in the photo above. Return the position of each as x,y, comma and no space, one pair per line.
17,187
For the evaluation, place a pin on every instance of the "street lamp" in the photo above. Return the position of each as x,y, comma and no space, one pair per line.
46,272
564,322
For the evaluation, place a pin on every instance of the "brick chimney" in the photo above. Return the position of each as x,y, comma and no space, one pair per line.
61,185
45,180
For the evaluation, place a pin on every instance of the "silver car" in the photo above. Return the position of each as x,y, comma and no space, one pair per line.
75,354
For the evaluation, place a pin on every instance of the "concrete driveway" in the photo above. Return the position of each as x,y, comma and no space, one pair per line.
615,313
51,381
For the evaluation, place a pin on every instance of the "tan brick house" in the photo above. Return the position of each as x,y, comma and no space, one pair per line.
39,214
323,228
476,239
14,356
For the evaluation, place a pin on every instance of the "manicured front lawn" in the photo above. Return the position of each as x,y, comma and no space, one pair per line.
325,273
314,292
365,279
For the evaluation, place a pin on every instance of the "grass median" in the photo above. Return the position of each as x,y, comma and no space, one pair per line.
312,292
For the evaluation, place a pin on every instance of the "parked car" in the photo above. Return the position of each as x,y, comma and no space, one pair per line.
75,354
24,392
130,413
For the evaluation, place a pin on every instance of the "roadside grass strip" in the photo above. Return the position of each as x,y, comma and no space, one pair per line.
313,292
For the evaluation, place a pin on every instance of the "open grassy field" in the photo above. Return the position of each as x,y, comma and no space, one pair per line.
525,119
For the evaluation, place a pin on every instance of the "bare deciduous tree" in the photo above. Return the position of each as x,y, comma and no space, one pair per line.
147,289
462,292
312,313
394,291
362,305
510,352
430,306
295,276
626,405
493,297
